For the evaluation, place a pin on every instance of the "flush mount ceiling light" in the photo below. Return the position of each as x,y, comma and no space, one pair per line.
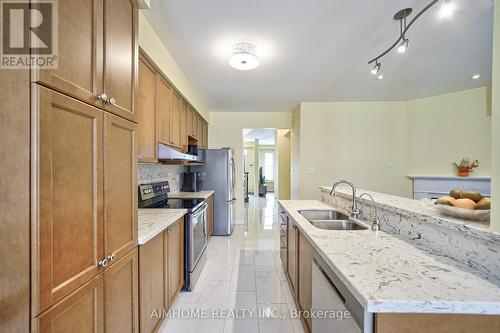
244,56
401,44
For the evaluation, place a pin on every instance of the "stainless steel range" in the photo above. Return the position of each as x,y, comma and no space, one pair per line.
195,223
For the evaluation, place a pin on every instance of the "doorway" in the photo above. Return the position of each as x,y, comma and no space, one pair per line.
266,161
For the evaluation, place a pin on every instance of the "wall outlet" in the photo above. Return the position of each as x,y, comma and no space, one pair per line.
390,164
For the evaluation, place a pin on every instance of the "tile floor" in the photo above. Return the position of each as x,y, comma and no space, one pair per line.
243,274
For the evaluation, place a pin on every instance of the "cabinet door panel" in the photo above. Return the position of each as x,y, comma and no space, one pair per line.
305,276
194,128
205,134
121,295
292,256
175,121
199,129
183,119
82,311
151,282
163,109
189,120
79,72
120,186
146,113
120,56
67,192
175,255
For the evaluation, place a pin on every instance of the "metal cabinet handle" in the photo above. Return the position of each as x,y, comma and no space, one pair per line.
103,97
112,101
112,257
104,262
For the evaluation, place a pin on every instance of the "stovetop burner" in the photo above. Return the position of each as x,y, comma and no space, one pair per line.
156,196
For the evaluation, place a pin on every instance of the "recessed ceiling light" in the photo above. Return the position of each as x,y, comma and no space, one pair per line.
244,56
447,9
476,76
380,77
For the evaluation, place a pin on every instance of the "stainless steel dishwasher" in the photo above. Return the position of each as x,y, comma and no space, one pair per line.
337,309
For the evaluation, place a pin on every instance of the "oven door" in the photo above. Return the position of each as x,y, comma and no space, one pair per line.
198,236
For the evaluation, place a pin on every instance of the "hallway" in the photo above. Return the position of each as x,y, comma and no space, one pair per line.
244,277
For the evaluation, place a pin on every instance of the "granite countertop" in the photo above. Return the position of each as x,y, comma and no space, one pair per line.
386,274
204,194
152,221
417,209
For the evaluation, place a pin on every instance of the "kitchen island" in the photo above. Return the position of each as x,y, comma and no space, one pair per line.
390,278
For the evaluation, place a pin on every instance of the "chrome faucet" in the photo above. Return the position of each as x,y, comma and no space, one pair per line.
376,219
354,211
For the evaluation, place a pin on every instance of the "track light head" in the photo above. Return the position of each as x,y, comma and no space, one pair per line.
403,47
376,68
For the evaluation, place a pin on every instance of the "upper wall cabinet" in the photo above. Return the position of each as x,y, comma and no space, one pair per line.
120,56
80,51
97,54
164,116
146,113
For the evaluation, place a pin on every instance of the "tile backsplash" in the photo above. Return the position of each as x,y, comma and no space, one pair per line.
151,173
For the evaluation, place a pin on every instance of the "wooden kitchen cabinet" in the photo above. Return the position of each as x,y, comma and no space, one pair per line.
68,191
82,311
199,128
151,283
121,305
304,294
175,120
194,128
435,323
120,56
210,216
120,186
80,72
205,134
292,242
163,109
174,265
147,135
189,120
184,133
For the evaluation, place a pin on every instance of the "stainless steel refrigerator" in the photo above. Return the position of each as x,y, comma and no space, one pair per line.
219,174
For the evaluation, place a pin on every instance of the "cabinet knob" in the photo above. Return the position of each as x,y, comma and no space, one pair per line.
112,101
112,257
104,262
103,97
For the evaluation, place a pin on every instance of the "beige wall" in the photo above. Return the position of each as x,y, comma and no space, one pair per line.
283,138
295,154
151,43
378,144
225,130
443,129
355,141
495,94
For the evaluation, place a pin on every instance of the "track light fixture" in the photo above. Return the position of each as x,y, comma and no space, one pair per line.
376,68
401,44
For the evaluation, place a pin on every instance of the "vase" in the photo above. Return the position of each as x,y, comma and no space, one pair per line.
463,173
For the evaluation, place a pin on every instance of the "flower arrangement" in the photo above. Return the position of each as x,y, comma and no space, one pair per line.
466,166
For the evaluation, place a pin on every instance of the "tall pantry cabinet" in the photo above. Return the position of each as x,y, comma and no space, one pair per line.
84,173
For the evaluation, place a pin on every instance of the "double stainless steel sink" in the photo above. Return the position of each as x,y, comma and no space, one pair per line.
330,219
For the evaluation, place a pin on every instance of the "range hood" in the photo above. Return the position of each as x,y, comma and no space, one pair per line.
166,153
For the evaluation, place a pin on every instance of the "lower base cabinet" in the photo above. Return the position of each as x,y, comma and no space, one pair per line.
304,293
161,275
107,303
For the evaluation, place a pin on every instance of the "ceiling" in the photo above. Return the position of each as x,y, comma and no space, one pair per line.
266,136
318,50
